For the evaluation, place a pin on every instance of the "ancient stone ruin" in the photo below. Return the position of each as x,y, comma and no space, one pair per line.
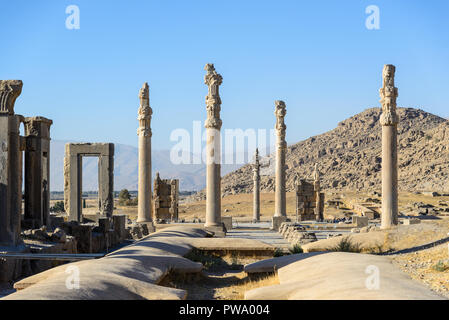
213,124
309,199
389,121
144,132
280,200
256,188
165,198
36,146
73,166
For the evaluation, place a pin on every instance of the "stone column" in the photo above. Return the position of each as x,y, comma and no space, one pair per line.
10,168
280,202
256,188
317,190
213,148
389,121
144,213
37,171
73,175
106,180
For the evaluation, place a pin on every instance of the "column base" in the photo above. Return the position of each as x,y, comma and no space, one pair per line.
276,222
218,231
149,224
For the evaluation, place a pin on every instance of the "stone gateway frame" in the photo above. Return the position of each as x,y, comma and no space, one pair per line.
73,164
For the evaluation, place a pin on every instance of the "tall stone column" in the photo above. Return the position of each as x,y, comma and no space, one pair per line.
10,168
280,202
389,121
317,190
144,213
37,171
213,147
256,188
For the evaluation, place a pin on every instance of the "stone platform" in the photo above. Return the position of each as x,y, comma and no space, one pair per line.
337,276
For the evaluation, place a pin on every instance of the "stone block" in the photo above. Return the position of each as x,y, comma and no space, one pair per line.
227,220
56,221
91,218
83,236
411,221
119,222
359,222
276,222
218,232
104,225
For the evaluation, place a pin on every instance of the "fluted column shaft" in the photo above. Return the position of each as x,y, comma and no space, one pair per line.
389,121
213,147
280,200
144,209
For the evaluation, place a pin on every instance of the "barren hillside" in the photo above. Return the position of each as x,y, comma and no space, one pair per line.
349,156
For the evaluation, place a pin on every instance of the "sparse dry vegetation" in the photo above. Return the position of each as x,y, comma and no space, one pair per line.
222,278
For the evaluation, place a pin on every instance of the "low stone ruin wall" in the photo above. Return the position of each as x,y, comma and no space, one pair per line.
130,273
100,235
296,234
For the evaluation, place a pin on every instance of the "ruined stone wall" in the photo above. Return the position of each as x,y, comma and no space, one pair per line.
165,201
309,201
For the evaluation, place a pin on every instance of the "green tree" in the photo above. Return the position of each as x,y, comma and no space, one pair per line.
124,197
58,207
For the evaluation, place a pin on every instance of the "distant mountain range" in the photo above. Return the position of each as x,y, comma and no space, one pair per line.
192,176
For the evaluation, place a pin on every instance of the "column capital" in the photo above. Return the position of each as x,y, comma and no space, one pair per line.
145,112
9,91
280,112
388,94
213,102
256,166
37,127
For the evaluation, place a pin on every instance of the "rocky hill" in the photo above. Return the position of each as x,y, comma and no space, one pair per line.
349,156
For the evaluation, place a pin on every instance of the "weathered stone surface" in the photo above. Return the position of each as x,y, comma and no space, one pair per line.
144,209
411,221
10,163
276,222
213,124
132,272
119,222
73,177
165,198
256,188
274,264
37,170
359,222
280,205
58,235
341,275
309,198
227,221
389,121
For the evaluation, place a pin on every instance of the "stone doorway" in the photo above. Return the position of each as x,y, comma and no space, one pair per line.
73,166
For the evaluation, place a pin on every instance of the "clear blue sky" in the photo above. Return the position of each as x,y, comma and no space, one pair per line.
317,56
